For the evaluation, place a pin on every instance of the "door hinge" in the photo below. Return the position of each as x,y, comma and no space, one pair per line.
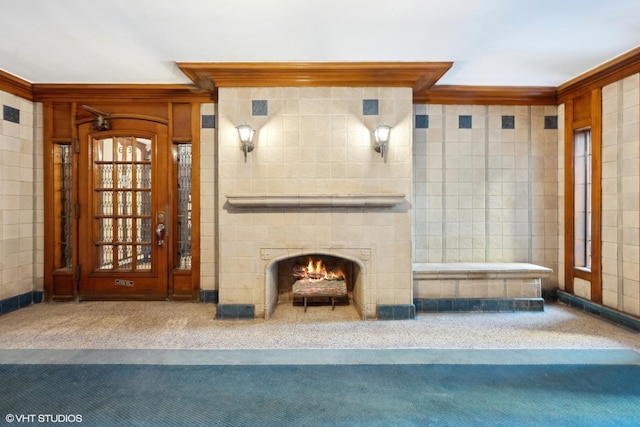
77,273
77,210
76,145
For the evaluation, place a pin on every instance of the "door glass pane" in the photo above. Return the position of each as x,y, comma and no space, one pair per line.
582,198
123,217
184,206
63,177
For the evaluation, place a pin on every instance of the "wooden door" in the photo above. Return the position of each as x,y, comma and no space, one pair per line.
123,224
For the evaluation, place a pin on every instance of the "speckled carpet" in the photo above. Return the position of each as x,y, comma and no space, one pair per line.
319,395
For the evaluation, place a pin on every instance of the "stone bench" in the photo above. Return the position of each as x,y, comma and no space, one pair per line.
457,287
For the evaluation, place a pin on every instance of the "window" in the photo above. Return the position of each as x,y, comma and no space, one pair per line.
582,209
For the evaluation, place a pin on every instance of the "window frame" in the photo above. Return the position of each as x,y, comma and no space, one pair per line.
583,112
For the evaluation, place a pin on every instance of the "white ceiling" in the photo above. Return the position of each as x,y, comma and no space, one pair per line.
491,42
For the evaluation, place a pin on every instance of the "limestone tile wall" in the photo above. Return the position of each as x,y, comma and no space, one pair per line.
485,184
21,202
620,195
314,141
207,200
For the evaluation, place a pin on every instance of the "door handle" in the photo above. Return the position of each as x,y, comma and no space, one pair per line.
160,233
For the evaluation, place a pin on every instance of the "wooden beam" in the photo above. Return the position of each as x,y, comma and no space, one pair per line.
15,86
487,95
415,75
610,72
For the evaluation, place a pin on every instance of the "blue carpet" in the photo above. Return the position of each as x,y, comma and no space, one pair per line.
318,395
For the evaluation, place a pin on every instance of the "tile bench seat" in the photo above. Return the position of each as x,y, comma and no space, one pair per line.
445,287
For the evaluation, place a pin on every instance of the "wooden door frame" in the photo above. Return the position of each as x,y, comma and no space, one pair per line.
61,114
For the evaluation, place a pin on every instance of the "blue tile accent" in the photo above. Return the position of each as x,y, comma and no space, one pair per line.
370,107
422,121
551,122
396,312
490,305
460,305
235,311
508,122
259,107
208,121
550,294
464,122
487,305
606,313
16,302
209,296
38,296
11,114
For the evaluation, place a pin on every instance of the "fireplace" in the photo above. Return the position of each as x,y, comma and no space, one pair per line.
313,186
285,273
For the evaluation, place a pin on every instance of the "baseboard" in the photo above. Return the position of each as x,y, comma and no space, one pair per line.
487,305
20,301
235,311
209,296
613,316
396,312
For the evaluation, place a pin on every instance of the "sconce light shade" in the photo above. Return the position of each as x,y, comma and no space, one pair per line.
246,133
381,136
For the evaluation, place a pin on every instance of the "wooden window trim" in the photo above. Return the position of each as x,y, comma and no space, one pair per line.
594,121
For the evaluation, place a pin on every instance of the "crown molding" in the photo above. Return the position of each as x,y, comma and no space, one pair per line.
15,86
212,75
488,95
118,92
610,72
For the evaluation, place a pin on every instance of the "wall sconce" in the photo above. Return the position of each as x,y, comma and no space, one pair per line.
381,136
246,133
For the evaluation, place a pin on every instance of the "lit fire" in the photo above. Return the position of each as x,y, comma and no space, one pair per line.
316,270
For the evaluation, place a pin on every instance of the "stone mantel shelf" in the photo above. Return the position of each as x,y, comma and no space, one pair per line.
315,200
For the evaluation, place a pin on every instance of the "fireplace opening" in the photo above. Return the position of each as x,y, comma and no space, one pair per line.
316,279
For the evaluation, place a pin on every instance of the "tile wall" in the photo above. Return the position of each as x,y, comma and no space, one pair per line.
621,195
21,201
207,198
485,184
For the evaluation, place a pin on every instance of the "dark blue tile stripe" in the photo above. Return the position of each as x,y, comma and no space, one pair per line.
209,296
493,305
396,312
19,301
235,311
599,310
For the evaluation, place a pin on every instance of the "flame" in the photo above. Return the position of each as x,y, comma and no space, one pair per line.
317,270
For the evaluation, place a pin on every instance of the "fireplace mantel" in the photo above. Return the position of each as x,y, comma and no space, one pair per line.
315,200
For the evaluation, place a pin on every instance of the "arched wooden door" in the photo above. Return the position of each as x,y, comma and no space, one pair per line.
123,218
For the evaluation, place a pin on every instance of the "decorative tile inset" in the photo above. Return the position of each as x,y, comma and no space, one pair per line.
508,122
208,121
422,121
259,107
370,107
464,122
11,114
551,122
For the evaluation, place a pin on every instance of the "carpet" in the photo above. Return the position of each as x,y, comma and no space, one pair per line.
319,395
